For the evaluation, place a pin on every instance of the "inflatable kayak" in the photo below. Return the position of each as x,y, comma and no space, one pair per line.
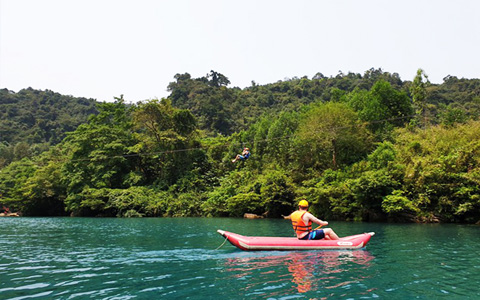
251,243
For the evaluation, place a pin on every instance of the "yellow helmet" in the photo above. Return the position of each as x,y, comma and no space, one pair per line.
303,203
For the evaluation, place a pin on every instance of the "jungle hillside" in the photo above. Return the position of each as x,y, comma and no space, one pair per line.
364,147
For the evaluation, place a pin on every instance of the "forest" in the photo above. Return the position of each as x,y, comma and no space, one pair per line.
360,147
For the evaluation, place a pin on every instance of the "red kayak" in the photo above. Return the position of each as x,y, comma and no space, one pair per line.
250,243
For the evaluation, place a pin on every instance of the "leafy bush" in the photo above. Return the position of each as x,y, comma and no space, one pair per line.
240,204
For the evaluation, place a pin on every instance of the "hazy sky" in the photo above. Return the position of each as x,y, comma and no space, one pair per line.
104,48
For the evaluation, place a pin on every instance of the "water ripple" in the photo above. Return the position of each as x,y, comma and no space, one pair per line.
68,258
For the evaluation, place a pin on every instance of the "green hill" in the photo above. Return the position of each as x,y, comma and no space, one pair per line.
224,110
358,147
32,120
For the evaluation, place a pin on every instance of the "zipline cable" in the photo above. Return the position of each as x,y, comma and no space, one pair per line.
230,144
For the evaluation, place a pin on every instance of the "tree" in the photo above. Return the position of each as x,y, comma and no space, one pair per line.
280,135
277,193
418,90
13,179
98,155
180,89
382,106
166,133
217,79
154,117
44,192
331,135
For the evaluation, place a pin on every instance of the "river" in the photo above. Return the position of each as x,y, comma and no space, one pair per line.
165,258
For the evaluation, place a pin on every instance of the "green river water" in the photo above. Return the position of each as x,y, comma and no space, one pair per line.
164,258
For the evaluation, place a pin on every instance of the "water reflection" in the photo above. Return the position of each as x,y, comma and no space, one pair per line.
302,271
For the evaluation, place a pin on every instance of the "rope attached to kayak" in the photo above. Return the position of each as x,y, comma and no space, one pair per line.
226,239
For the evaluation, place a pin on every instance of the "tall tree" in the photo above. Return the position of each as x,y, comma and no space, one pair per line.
166,132
418,89
98,155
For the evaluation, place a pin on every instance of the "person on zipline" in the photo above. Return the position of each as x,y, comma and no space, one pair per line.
302,224
245,155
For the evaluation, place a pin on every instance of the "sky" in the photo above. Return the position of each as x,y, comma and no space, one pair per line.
102,49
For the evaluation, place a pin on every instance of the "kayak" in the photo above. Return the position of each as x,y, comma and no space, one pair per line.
256,243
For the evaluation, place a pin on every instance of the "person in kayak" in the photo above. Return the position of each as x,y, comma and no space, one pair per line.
302,224
245,155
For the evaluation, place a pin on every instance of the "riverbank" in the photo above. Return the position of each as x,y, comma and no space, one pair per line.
9,215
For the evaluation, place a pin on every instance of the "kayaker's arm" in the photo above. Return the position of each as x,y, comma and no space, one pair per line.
315,220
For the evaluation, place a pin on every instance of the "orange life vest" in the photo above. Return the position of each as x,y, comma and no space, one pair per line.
298,224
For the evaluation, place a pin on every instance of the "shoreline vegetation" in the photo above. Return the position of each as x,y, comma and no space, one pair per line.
368,147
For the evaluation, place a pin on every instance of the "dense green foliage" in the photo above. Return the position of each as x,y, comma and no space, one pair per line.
32,120
227,110
358,147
